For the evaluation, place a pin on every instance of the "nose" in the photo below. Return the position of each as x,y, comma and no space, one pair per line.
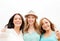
18,20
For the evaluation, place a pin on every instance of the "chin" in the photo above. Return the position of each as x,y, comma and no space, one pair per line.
30,23
18,24
46,29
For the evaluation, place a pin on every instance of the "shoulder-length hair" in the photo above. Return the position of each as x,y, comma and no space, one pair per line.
42,31
11,24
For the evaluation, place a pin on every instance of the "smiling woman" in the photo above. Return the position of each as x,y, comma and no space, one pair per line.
15,27
31,32
47,30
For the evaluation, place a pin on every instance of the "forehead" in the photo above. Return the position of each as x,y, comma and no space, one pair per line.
31,16
45,20
17,16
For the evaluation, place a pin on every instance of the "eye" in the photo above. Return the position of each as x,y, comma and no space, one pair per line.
33,17
15,19
20,19
46,22
28,17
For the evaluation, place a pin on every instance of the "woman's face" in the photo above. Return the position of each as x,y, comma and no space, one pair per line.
31,20
17,21
46,24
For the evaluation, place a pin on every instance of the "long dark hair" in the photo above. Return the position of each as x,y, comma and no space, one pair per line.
11,24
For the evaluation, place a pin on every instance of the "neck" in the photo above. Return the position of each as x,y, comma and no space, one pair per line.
48,31
31,24
17,29
31,28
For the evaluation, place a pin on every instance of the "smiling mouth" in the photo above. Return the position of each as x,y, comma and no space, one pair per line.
18,22
30,21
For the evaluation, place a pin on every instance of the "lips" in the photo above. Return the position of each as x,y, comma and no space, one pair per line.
18,23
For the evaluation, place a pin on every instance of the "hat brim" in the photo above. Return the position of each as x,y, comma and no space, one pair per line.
31,15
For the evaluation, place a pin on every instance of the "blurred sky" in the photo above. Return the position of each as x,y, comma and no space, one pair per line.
42,8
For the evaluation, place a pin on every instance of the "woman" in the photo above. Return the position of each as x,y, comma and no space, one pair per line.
47,30
15,28
31,32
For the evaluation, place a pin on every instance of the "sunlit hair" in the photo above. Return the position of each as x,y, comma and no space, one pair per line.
11,24
27,26
31,13
42,31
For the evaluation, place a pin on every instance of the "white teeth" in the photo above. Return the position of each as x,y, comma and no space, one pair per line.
17,22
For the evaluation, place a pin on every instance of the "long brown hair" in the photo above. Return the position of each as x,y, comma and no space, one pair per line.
42,31
27,25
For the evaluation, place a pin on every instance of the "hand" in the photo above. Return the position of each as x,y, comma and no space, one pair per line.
58,35
3,30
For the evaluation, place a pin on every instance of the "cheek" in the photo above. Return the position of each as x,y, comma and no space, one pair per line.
33,20
21,22
13,21
17,22
48,24
43,27
30,20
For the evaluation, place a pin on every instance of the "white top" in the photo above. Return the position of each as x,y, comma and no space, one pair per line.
11,35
